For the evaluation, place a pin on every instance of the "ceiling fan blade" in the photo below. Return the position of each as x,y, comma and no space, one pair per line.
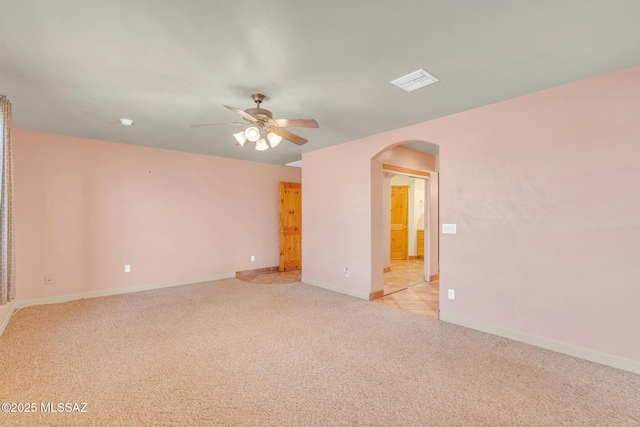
297,123
242,113
219,124
289,136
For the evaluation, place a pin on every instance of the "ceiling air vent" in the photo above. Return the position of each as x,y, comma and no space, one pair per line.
415,80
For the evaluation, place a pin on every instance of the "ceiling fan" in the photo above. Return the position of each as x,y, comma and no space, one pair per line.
262,124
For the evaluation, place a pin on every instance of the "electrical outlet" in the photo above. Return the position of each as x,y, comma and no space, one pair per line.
48,280
253,257
127,268
346,272
452,294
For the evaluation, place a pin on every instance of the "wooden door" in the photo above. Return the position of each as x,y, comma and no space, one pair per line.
290,226
399,217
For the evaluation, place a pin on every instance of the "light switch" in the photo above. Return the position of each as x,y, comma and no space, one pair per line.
448,229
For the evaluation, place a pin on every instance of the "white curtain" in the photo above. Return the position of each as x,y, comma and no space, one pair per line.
7,255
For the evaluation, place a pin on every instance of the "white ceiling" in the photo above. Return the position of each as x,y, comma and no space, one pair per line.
75,67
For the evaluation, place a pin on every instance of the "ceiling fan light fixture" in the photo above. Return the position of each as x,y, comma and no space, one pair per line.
261,145
252,133
274,139
263,129
240,138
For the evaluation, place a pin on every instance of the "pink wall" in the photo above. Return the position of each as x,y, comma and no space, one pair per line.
85,208
544,189
336,208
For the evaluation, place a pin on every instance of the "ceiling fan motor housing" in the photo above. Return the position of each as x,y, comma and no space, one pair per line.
255,111
258,98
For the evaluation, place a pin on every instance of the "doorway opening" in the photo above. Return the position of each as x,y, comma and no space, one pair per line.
406,278
408,215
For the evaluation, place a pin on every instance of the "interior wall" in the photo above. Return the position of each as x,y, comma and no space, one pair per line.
544,191
85,208
336,219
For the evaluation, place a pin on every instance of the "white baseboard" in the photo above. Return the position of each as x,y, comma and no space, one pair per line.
346,291
17,305
5,322
579,352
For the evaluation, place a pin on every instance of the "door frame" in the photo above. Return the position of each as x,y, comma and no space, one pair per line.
427,209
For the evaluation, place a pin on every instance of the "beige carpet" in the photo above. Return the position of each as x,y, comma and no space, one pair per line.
240,354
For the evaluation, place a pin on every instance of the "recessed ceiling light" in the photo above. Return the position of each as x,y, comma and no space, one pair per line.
126,122
415,80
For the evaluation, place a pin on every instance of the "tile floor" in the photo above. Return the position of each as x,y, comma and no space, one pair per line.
422,299
405,288
403,273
